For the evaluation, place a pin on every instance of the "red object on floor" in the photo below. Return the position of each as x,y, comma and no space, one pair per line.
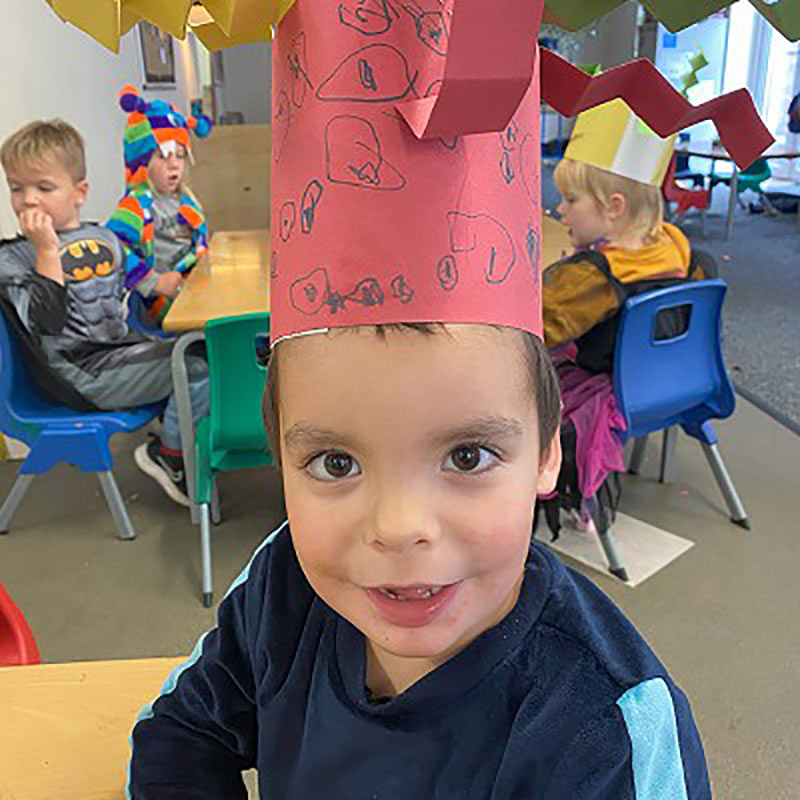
17,645
685,198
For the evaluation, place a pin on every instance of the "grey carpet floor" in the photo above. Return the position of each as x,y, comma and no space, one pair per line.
761,318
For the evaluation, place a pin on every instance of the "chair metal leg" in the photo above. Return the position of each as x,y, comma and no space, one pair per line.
180,382
738,514
204,512
216,513
734,195
637,455
615,563
667,472
13,500
118,511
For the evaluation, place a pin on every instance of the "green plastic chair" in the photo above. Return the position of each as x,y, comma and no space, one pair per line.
750,178
232,436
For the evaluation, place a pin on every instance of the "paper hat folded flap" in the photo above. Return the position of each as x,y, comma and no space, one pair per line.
371,224
488,70
613,138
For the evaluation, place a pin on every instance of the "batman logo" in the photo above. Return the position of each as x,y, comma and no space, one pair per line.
85,258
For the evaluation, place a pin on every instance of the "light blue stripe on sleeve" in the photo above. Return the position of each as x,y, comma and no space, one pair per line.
656,754
172,679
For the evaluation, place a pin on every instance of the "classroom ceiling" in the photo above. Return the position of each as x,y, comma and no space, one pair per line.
230,22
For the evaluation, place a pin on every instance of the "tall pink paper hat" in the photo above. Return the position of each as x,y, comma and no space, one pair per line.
405,182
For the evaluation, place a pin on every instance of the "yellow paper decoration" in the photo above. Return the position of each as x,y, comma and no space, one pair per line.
613,138
235,21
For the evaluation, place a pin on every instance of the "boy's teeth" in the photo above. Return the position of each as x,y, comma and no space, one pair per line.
415,593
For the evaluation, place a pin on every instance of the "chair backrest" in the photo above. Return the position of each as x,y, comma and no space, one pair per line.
17,389
663,379
237,375
758,169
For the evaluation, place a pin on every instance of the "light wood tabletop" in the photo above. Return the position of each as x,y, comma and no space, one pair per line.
64,727
231,279
556,243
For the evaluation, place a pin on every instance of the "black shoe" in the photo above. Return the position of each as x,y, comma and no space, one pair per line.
165,469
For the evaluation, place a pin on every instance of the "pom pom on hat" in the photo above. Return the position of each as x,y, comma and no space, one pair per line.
130,100
200,125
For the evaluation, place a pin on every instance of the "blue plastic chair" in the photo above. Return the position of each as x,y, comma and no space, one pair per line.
56,433
661,382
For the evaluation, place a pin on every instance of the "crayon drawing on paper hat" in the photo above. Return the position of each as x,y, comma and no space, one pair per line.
613,138
373,224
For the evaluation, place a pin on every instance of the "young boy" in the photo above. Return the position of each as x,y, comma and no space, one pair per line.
399,637
615,215
62,288
159,220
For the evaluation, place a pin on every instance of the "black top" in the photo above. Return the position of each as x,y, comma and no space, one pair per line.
562,700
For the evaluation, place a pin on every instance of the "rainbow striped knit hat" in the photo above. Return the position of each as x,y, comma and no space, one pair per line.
154,125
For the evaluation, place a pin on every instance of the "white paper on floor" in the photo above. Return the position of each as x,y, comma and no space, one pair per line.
643,548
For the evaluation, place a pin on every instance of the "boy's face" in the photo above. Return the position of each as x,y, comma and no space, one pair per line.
411,465
166,172
49,188
587,222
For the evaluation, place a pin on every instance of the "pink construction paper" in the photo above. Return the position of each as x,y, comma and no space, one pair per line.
489,69
570,90
370,224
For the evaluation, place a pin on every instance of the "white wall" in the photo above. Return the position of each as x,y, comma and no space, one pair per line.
248,81
49,69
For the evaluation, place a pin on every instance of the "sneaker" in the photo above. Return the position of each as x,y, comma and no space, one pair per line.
581,525
167,470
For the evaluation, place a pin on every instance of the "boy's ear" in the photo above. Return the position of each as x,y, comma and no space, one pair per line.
550,466
83,191
617,206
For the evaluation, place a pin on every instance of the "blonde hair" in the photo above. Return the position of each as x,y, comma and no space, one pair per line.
43,140
644,207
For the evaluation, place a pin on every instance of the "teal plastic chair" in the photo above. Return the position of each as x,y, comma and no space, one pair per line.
232,436
750,178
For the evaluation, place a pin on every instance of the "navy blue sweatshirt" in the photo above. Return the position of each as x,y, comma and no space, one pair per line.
562,700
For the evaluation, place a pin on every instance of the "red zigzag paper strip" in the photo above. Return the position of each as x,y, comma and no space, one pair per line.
569,91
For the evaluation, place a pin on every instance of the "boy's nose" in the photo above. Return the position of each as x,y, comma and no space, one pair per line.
30,198
400,521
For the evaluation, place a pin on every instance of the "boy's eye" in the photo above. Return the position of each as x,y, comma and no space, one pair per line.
470,458
333,466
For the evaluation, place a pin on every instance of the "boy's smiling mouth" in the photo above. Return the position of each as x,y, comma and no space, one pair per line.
422,592
411,606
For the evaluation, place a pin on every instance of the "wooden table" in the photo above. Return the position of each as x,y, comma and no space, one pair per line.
64,727
718,153
232,279
556,243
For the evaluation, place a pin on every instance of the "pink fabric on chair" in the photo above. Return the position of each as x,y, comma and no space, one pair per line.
590,405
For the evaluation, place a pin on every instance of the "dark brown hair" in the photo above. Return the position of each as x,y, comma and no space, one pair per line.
542,379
